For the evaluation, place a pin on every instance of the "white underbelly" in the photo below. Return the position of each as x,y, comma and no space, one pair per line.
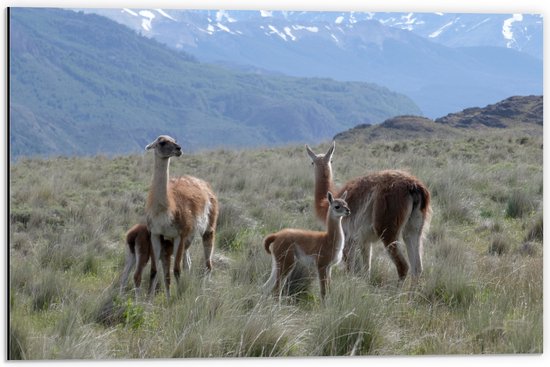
162,224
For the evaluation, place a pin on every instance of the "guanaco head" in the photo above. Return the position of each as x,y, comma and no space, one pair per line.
338,206
321,161
165,147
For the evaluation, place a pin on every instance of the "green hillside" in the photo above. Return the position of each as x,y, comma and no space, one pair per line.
82,84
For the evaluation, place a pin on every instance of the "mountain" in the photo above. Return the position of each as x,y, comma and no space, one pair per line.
517,112
444,62
508,113
520,32
83,84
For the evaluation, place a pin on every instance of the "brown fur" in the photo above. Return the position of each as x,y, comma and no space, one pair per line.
384,206
180,207
139,250
324,249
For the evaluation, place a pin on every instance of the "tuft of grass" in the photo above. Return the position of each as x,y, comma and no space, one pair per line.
47,290
450,194
535,232
69,323
346,326
18,342
110,311
90,264
518,204
499,245
217,326
451,286
530,248
352,334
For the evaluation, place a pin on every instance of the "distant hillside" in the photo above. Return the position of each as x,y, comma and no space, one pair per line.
83,84
508,113
513,112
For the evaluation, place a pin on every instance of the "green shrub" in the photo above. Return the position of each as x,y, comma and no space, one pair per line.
133,314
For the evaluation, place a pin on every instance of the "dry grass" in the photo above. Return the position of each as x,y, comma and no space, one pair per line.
481,291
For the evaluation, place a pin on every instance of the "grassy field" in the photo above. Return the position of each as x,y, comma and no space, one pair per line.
481,291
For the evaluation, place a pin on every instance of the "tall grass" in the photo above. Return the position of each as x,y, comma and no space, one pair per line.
481,290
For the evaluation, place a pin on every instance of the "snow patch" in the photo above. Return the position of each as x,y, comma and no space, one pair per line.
147,19
131,12
478,24
164,14
289,33
277,32
211,29
439,13
440,30
334,38
266,13
339,20
507,29
407,22
301,27
409,18
223,28
220,14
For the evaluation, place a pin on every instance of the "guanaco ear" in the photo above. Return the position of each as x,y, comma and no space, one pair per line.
344,195
330,197
310,153
330,152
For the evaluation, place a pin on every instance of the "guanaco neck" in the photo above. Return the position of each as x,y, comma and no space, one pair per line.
323,184
158,200
335,233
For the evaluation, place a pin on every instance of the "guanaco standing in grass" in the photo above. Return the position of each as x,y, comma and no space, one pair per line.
324,249
385,206
178,208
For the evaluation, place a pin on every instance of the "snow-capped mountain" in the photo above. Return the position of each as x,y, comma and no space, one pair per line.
444,62
521,32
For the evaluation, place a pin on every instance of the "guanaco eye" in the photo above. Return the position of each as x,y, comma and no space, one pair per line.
337,207
162,143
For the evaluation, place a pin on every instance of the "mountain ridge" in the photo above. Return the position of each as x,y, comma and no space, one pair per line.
516,112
